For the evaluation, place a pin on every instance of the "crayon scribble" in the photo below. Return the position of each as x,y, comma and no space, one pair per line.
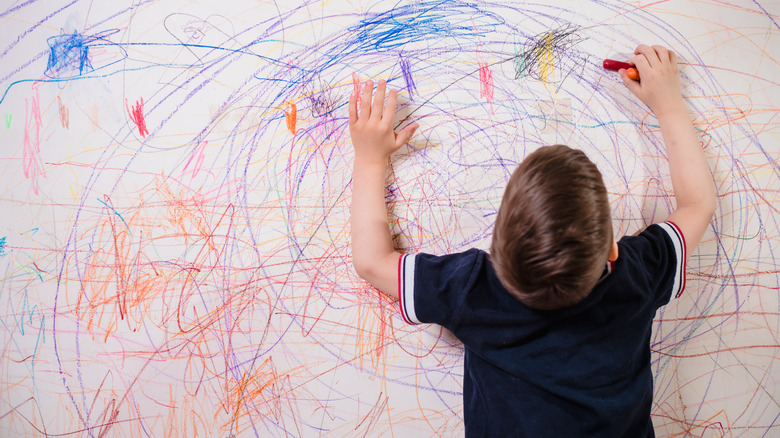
68,54
64,114
406,72
291,116
32,165
485,82
136,113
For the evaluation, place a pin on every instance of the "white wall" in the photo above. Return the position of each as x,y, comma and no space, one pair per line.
194,277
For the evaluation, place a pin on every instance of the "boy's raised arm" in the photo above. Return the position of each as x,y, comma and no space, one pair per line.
371,129
692,182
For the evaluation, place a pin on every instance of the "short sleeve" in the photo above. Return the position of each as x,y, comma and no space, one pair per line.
431,288
663,256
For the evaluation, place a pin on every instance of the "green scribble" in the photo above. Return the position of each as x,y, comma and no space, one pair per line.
520,67
8,120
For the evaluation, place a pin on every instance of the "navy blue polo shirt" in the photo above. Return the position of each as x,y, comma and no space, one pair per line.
579,371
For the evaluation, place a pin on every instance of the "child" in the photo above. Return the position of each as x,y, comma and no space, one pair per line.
556,319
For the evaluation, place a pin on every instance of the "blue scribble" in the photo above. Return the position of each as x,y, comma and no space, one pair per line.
406,71
69,54
2,246
115,212
407,24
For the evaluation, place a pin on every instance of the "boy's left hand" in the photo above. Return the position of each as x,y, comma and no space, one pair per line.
371,128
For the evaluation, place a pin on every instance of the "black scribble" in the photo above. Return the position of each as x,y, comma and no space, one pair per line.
553,49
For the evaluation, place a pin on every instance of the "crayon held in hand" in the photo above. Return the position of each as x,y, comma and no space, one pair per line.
631,71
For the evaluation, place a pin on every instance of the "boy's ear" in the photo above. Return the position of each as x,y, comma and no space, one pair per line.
613,252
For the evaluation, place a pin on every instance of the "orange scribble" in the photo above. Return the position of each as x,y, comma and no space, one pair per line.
264,392
64,113
291,116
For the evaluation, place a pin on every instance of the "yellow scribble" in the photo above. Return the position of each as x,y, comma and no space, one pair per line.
546,70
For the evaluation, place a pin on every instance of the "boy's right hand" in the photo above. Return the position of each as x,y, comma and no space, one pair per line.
659,85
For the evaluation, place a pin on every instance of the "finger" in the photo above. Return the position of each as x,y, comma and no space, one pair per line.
649,53
663,54
402,137
641,63
365,101
379,100
352,107
392,100
632,85
673,59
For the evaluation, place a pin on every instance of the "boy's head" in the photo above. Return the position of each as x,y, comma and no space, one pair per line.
553,232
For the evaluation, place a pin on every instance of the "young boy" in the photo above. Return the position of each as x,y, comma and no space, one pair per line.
556,319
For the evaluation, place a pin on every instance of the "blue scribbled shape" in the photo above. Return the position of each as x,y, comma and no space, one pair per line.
422,21
68,56
2,246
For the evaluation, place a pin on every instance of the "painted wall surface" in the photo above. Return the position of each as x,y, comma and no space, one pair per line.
176,181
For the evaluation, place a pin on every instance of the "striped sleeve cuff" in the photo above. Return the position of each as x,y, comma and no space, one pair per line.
406,288
678,241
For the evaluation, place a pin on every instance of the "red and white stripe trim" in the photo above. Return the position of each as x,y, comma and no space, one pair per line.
679,247
406,288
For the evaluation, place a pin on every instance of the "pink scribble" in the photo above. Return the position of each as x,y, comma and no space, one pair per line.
137,116
31,161
485,82
198,156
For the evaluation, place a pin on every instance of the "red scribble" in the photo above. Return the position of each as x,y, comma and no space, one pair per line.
485,82
31,159
291,116
137,116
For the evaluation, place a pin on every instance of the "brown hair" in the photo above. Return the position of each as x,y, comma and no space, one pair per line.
553,231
